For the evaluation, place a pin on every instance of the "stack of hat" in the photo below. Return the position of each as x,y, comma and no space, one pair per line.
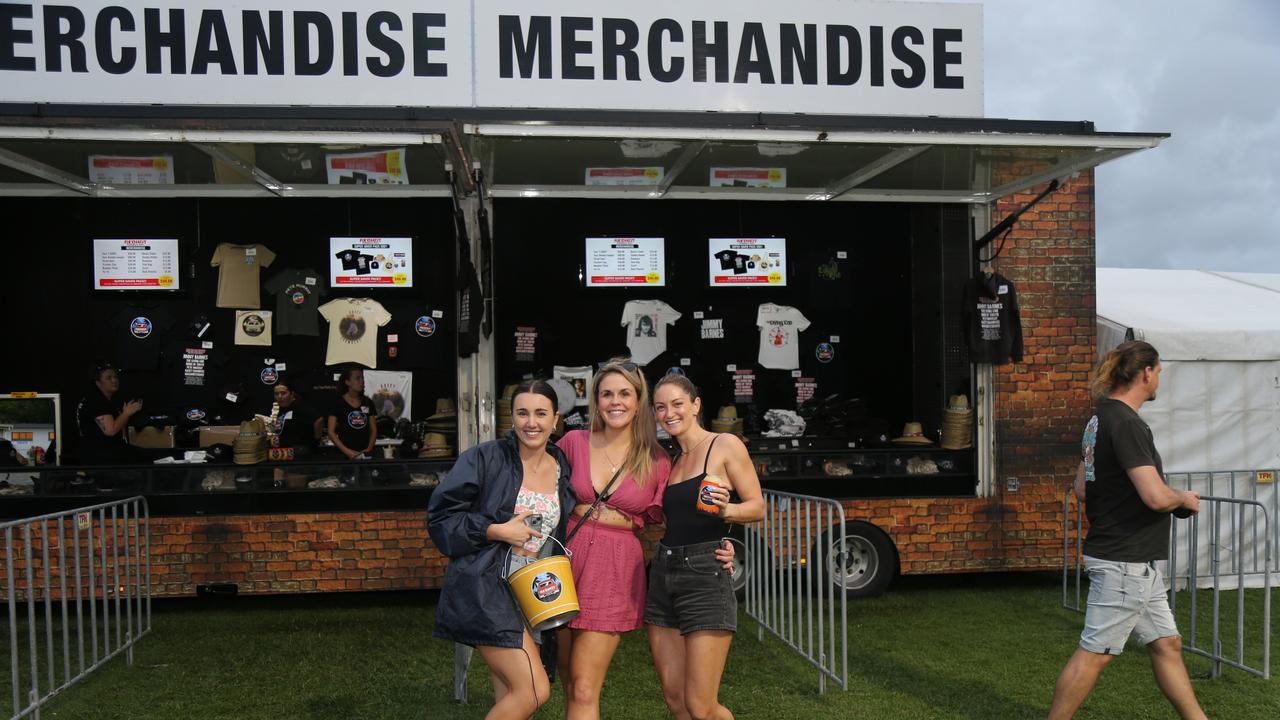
250,446
957,423
436,445
504,422
912,434
445,421
727,421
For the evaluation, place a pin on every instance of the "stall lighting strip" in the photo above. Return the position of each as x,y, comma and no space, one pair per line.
299,137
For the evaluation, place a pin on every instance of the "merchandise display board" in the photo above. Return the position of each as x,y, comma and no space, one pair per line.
136,264
356,262
622,262
747,261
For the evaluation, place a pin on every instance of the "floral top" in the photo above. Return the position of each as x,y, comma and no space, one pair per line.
545,504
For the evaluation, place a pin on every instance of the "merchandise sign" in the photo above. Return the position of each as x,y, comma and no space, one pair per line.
620,262
744,386
368,168
526,343
748,177
806,387
371,262
120,170
747,261
623,175
802,56
135,264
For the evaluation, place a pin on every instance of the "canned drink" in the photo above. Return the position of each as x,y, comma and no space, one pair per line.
703,502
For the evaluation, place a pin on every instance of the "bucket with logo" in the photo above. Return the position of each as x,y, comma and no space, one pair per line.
545,591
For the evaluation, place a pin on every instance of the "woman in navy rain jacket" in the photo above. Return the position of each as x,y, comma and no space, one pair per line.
508,494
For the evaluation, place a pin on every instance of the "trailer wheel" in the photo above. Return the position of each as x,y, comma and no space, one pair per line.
744,564
868,558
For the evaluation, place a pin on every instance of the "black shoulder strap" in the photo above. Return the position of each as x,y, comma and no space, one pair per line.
707,459
599,496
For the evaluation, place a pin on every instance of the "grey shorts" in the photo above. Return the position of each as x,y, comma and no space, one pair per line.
1125,599
690,590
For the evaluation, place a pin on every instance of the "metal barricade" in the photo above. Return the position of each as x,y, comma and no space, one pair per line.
1259,486
89,570
795,587
1066,551
1226,536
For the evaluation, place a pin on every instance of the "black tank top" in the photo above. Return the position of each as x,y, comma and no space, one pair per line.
685,524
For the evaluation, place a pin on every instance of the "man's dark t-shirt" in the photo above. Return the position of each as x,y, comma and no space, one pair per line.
1121,526
96,448
298,428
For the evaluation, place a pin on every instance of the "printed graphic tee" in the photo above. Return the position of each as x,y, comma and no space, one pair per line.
138,331
239,267
298,293
1121,526
352,426
353,330
646,322
253,327
780,328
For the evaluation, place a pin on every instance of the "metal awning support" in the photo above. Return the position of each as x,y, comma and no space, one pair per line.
689,154
889,160
35,168
226,157
1100,156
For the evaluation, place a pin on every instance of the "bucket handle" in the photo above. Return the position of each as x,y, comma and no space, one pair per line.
506,558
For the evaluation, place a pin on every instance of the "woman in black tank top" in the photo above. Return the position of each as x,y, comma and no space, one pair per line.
690,609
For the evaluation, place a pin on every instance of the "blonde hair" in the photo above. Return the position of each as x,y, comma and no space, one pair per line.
644,435
1122,366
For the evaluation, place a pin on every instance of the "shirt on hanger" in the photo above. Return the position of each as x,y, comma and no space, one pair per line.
993,324
238,269
138,332
298,293
646,322
780,327
353,334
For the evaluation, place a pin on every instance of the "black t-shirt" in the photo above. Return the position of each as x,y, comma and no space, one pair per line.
421,341
258,374
353,422
297,427
298,293
193,370
1121,526
348,258
726,259
138,331
96,448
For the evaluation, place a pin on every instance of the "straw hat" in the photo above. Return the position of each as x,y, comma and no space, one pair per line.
957,424
727,421
250,445
436,445
912,434
445,409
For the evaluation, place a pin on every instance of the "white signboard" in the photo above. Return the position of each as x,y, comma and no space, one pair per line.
385,167
803,56
370,262
134,264
748,177
747,261
123,170
620,262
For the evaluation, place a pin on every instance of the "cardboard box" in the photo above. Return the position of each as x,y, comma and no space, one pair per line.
218,434
152,437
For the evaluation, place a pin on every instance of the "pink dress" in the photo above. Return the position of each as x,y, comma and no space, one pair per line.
608,563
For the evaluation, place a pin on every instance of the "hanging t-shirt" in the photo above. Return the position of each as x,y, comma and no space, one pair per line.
138,332
353,330
391,392
646,322
417,339
258,374
353,423
239,267
780,328
993,325
253,327
193,368
298,293
580,377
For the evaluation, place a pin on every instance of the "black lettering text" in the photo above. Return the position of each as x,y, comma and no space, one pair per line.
623,48
843,41
657,69
423,44
303,21
267,43
56,38
943,58
350,45
795,54
11,37
213,45
908,57
571,47
102,40
513,47
717,49
175,39
379,39
877,56
753,55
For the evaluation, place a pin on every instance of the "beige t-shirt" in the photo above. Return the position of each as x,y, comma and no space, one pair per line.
353,330
253,327
238,276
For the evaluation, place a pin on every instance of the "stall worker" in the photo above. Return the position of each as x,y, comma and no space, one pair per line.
298,427
101,419
350,423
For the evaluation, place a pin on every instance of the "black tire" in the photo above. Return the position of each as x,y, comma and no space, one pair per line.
869,558
744,564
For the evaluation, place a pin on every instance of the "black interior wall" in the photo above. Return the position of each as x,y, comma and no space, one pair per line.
62,325
864,299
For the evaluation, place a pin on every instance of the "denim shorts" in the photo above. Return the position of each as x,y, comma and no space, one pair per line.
690,590
1125,599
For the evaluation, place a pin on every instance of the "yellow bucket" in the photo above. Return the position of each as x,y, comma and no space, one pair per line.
545,591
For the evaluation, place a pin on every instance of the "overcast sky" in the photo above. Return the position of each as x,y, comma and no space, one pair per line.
1207,71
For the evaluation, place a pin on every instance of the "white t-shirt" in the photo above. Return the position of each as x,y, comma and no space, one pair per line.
253,327
353,330
646,322
780,327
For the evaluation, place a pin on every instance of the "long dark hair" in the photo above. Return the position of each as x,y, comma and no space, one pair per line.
541,387
344,376
1122,366
684,384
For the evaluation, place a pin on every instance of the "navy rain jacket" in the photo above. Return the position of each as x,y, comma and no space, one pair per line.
475,606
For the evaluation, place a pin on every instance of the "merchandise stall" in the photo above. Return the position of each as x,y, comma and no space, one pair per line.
818,274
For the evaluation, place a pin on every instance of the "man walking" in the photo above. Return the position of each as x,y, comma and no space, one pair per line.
1121,482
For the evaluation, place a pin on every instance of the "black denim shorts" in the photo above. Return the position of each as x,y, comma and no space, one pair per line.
689,589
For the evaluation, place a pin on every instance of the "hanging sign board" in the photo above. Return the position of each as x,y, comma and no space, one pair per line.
120,170
747,261
385,167
135,264
846,57
623,175
748,177
370,262
622,262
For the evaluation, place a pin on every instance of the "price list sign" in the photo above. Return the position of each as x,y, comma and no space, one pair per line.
623,262
135,264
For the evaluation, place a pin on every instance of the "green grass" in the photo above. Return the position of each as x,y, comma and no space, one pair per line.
963,647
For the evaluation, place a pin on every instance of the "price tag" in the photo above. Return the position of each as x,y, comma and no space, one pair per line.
232,397
698,315
835,339
281,367
393,338
336,376
731,368
207,344
842,255
306,164
251,251
795,443
795,373
853,444
685,362
782,446
309,281
437,314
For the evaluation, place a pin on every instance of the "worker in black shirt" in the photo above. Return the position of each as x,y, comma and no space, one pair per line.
101,419
299,428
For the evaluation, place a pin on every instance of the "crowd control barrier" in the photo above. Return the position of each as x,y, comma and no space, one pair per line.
84,579
796,585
